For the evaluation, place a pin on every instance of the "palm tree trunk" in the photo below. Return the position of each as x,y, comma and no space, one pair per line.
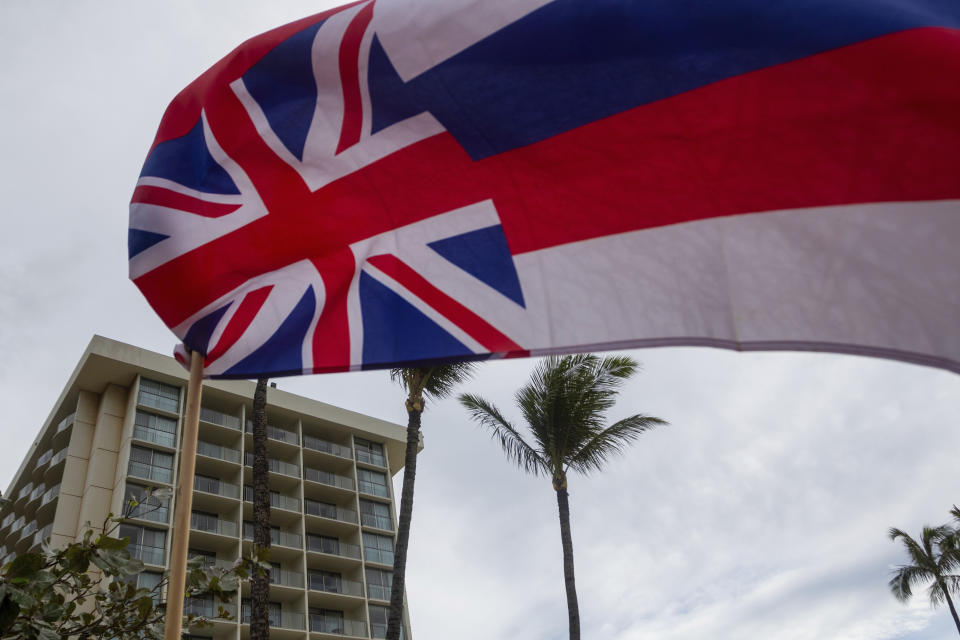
395,619
953,610
260,579
573,610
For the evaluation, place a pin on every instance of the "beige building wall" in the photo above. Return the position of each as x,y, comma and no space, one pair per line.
333,508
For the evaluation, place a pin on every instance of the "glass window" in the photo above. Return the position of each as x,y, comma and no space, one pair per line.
147,463
379,582
275,611
145,544
370,452
326,620
373,482
207,484
328,581
153,428
153,509
209,557
377,548
323,544
322,509
376,514
204,521
378,620
159,395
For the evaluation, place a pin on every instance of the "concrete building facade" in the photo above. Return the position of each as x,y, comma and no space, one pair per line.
116,430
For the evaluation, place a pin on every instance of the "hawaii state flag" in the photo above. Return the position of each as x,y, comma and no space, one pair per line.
401,181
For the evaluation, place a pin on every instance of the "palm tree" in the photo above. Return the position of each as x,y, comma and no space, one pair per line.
932,559
259,578
564,405
419,383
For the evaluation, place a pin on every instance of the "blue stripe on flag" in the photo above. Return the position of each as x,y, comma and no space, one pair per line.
283,84
572,62
484,254
395,331
139,240
198,337
282,353
187,160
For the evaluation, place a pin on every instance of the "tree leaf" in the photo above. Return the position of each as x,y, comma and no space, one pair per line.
25,566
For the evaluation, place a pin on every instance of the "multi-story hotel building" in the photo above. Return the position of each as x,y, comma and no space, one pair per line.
116,429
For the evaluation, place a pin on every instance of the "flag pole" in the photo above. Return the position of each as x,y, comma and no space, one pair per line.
184,504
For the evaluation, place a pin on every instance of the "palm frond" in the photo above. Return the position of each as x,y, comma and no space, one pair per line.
435,382
905,578
918,555
610,441
514,446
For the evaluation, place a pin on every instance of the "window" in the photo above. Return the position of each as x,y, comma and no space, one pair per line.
376,514
379,582
373,482
322,509
159,395
147,580
370,452
145,544
323,544
150,464
200,606
204,521
328,581
377,548
207,484
153,428
153,508
209,557
326,620
378,620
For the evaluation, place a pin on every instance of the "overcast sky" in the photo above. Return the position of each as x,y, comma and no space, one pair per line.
761,512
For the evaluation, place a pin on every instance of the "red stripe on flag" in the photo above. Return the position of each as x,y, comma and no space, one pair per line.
238,324
475,326
166,198
331,337
350,78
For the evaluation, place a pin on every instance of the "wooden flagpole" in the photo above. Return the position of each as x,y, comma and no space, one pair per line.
184,504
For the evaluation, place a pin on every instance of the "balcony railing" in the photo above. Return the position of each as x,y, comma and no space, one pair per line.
43,535
38,491
207,608
379,592
282,538
50,495
58,457
333,512
158,402
328,584
319,444
326,624
149,555
277,500
376,520
18,523
218,451
217,488
276,433
25,491
277,466
45,458
66,423
334,548
328,478
28,530
7,521
209,525
219,418
280,619
156,436
286,578
150,472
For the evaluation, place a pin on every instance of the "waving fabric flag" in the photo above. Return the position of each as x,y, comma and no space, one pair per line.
396,181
